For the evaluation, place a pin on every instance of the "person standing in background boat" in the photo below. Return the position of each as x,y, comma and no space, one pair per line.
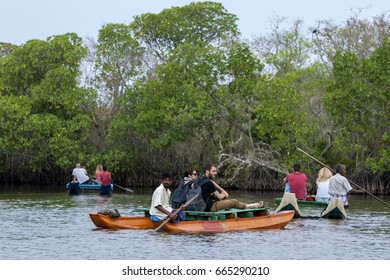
339,186
297,182
160,208
104,179
215,197
323,185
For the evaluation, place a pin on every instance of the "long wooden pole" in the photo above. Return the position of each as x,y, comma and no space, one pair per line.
181,208
125,189
356,185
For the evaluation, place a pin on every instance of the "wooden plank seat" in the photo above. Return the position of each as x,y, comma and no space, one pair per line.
219,215
142,209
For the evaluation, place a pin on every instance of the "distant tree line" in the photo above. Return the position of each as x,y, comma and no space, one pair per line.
174,90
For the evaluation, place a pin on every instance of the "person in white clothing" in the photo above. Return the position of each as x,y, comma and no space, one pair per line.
160,208
80,174
323,185
339,186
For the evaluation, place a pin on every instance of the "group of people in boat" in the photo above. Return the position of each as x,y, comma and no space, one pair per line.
328,185
214,197
102,177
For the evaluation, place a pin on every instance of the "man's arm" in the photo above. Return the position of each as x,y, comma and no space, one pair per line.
219,195
358,191
220,189
165,211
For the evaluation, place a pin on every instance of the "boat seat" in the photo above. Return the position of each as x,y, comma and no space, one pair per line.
222,215
226,214
144,210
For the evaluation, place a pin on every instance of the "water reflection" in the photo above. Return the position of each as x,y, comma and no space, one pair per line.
57,226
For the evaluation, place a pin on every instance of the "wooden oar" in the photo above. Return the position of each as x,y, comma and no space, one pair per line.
323,164
181,208
126,189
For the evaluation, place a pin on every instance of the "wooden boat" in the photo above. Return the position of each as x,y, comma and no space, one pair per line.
133,222
305,203
334,210
289,202
75,188
272,221
202,222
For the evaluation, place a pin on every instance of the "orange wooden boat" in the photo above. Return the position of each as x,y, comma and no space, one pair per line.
272,221
131,222
203,222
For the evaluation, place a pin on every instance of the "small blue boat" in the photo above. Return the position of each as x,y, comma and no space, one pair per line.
74,188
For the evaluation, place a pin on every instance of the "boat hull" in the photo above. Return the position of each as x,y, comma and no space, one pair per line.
287,203
233,223
335,213
273,221
134,222
75,188
305,203
334,210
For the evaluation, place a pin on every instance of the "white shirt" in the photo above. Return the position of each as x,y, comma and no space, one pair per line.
322,191
161,197
338,184
80,174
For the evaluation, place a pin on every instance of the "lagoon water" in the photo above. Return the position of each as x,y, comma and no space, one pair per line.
48,225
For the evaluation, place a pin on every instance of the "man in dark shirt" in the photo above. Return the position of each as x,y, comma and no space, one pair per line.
215,197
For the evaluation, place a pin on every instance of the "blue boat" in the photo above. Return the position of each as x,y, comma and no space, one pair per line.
74,188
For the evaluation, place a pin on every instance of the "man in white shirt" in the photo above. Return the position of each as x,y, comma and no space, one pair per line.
160,208
80,174
339,186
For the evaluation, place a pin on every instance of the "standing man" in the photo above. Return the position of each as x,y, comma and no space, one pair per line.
159,208
215,197
339,186
297,182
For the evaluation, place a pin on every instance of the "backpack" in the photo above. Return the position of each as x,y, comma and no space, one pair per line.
198,204
180,193
113,213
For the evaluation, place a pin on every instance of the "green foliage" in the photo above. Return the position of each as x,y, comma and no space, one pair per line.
278,113
381,162
43,122
6,49
178,88
169,107
359,103
118,60
196,23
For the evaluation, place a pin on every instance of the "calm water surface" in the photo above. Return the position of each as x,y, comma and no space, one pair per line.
55,226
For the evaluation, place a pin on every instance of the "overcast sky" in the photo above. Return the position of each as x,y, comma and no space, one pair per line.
23,20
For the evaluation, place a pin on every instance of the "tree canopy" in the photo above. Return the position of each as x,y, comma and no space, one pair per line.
177,89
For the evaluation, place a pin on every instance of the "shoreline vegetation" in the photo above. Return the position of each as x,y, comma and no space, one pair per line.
143,100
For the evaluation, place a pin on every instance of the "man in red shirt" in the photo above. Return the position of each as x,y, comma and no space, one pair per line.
297,182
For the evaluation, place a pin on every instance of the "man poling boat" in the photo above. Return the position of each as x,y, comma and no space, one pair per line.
365,191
